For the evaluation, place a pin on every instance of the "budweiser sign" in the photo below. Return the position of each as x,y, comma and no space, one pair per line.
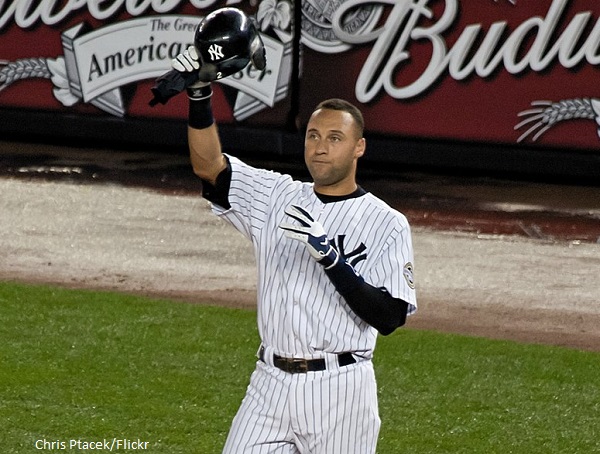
481,70
25,14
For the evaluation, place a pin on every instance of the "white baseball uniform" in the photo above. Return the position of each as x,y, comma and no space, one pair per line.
301,315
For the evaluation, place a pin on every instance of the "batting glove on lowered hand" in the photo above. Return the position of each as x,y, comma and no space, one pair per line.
312,234
187,62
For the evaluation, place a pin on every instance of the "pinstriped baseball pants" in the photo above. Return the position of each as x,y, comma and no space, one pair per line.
327,412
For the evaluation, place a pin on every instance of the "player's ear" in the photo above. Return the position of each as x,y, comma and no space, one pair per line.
360,147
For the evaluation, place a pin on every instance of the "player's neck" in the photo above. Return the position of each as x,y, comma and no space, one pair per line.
340,189
336,190
338,198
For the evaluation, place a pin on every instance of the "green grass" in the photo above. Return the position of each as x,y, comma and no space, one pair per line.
88,366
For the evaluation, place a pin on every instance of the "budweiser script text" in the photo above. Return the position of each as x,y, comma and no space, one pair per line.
534,44
27,13
392,43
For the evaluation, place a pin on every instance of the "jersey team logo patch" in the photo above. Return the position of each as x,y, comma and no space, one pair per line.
408,275
354,257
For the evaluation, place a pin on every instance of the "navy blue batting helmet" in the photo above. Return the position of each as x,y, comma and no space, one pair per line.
227,40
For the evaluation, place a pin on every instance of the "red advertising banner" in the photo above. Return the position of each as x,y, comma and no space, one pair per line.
519,72
99,57
494,71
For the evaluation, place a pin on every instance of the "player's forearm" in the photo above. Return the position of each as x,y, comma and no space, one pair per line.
203,138
378,308
375,306
205,152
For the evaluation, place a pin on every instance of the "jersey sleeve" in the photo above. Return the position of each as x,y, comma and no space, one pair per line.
394,267
250,192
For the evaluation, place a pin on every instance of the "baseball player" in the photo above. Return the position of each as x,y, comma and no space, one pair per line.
335,267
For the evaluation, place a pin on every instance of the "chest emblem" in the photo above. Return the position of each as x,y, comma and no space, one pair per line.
353,257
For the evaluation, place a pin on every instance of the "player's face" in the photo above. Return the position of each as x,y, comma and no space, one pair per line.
331,150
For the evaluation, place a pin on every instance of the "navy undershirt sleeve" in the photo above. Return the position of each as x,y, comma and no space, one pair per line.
219,192
374,305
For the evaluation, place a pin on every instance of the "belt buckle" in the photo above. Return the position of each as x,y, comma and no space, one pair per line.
297,366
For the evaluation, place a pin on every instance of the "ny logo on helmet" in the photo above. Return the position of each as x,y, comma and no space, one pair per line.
216,52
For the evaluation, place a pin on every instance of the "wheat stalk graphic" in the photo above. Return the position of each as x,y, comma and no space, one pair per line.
45,68
22,69
546,114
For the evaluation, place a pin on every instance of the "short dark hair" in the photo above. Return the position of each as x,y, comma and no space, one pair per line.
345,106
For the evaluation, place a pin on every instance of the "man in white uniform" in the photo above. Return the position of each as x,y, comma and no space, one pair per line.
335,267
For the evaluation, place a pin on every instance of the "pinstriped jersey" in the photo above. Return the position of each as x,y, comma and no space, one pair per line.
300,313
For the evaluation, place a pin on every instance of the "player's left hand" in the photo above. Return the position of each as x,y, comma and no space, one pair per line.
312,234
187,61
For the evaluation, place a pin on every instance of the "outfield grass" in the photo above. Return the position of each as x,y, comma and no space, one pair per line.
87,366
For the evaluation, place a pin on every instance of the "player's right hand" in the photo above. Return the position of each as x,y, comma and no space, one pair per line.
187,61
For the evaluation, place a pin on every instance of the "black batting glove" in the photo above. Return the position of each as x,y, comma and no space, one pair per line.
188,62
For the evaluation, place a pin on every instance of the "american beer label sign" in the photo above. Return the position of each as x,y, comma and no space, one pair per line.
500,71
96,62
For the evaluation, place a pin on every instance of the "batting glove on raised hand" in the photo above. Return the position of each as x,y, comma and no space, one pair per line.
312,234
189,61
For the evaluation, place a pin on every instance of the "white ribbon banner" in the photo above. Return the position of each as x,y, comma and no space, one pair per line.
99,62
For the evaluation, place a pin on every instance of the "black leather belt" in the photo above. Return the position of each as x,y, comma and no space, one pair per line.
300,366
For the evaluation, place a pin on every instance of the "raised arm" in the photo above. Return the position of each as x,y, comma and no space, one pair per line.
203,138
238,40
